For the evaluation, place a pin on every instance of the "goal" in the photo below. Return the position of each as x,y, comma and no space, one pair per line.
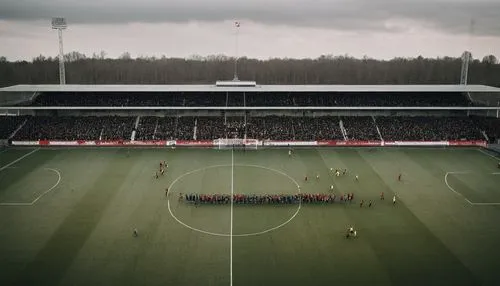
236,144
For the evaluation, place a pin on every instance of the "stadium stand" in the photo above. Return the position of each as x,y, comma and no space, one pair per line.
76,128
166,128
184,128
146,128
420,128
270,127
116,127
490,125
392,128
360,128
320,128
208,128
9,124
235,127
250,99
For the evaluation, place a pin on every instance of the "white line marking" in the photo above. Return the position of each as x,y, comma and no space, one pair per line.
486,204
231,231
486,153
227,234
453,190
18,159
40,196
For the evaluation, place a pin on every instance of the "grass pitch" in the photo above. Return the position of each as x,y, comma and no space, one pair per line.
67,216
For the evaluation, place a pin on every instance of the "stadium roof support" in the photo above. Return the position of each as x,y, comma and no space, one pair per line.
256,88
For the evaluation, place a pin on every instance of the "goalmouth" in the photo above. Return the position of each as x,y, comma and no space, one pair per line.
236,144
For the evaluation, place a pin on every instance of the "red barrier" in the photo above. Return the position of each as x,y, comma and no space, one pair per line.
468,143
289,143
146,143
192,143
349,143
415,143
109,143
209,143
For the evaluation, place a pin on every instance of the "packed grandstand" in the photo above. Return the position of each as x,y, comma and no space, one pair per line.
293,125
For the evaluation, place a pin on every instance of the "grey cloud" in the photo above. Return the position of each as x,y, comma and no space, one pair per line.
452,16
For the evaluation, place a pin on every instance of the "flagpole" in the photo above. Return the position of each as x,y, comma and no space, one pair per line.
237,26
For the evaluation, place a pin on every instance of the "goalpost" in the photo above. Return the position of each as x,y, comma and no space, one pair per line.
237,144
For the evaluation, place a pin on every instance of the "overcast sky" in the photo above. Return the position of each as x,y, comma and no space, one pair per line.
269,28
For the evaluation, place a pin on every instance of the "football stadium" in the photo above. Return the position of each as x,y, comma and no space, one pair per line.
236,183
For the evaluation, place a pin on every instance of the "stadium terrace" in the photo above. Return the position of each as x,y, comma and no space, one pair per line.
249,114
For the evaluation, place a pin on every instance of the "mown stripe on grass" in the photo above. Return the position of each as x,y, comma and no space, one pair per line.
52,261
29,164
409,251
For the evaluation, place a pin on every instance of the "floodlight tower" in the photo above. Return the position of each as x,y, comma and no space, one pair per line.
237,26
466,56
465,67
60,24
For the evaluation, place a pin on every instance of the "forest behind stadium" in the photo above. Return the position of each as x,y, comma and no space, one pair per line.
98,69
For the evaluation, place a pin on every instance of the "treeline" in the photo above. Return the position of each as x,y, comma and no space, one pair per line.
98,69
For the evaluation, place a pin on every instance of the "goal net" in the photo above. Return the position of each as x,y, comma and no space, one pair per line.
237,144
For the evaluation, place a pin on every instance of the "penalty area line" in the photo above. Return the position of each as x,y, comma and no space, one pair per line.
19,159
59,177
486,204
453,190
466,199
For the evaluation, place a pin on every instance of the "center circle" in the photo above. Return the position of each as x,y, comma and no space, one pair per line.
280,173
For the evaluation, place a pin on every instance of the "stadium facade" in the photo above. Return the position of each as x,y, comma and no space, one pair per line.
246,100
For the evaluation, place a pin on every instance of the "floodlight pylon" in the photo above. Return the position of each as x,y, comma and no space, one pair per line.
60,24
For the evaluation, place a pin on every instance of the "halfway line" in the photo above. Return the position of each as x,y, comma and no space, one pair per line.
231,231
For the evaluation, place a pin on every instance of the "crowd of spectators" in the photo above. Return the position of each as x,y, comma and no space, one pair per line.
251,99
165,129
116,128
381,99
108,99
76,128
299,128
61,128
235,127
360,128
9,124
428,128
316,128
490,125
270,127
147,128
185,128
209,128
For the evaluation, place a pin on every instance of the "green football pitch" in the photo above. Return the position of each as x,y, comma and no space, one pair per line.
67,218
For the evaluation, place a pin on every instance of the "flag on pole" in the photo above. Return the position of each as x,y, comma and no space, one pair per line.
237,24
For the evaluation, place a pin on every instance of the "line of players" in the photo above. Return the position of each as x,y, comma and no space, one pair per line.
245,199
262,199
